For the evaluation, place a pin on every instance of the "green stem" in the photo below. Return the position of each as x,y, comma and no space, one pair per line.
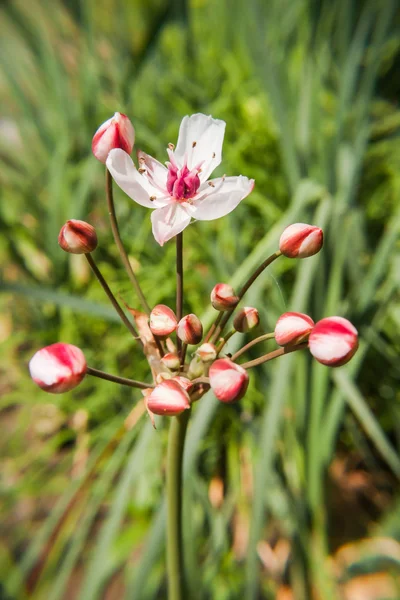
179,284
261,338
244,289
111,297
273,354
118,241
116,379
175,567
213,327
225,340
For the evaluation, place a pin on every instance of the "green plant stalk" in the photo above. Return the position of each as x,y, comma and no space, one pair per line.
249,282
261,338
120,246
112,298
175,567
179,285
116,379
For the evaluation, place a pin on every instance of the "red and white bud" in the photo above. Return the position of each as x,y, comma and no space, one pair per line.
117,132
333,341
246,319
171,361
168,398
301,240
228,380
77,237
207,352
163,321
58,368
184,382
190,329
293,328
223,297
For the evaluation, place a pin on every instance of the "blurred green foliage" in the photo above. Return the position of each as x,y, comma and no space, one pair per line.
309,91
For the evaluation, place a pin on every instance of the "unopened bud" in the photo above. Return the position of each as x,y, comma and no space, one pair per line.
184,382
168,398
228,380
207,352
190,329
162,321
58,368
293,328
171,361
333,341
77,237
223,297
247,318
117,132
301,240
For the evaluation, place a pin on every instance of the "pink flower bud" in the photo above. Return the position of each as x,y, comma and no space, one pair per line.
171,361
190,329
168,398
333,341
207,352
228,380
223,297
77,237
162,321
246,319
301,240
117,132
293,328
58,368
184,382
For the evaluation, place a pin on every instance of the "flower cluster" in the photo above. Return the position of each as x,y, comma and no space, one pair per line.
178,192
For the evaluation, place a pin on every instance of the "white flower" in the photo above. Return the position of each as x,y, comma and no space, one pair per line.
181,190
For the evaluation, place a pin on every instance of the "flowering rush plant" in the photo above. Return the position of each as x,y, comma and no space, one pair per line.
178,193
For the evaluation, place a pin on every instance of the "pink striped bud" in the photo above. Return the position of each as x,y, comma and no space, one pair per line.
190,329
223,297
117,132
293,328
247,318
168,398
163,321
333,341
228,380
58,368
77,237
184,382
207,352
301,240
171,361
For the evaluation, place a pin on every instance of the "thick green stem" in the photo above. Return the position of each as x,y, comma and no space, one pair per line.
175,567
118,241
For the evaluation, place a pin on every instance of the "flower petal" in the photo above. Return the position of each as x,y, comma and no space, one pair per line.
224,197
200,143
155,172
125,174
168,222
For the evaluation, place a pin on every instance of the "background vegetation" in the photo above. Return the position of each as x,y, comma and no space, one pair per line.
293,493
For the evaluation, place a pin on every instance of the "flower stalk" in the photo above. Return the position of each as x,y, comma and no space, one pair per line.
111,297
116,379
119,244
175,567
261,338
271,355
